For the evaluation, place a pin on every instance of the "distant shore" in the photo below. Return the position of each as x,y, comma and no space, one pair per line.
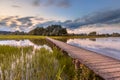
43,37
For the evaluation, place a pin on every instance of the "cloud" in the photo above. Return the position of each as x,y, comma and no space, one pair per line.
104,17
102,22
24,19
50,2
45,24
64,3
16,6
36,2
57,3
14,23
103,28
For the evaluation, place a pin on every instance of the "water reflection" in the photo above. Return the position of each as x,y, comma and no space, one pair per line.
25,43
93,39
16,57
106,46
39,41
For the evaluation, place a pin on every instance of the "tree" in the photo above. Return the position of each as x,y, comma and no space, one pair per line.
92,33
53,30
37,31
115,34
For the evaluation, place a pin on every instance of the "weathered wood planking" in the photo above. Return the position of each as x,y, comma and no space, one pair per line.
106,67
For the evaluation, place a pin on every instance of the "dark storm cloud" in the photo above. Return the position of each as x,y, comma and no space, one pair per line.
104,17
58,3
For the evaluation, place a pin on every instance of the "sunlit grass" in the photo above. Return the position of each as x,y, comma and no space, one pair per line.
18,63
43,37
67,69
9,57
21,37
23,63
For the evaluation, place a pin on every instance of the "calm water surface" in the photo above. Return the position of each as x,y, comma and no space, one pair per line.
23,43
106,46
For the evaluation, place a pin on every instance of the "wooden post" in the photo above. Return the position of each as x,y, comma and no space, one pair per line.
77,63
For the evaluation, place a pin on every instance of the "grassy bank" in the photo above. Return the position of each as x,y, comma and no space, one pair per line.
43,37
21,37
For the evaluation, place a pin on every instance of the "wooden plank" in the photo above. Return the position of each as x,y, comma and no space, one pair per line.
112,76
115,78
106,67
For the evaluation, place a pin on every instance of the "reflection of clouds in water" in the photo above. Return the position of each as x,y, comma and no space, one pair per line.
23,43
25,60
106,46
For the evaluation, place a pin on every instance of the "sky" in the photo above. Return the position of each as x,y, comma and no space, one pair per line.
78,16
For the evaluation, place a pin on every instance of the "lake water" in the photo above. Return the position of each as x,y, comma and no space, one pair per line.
105,46
23,43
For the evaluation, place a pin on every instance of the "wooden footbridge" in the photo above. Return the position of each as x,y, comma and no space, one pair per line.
106,67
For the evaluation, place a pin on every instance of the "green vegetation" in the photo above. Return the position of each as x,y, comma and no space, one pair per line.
10,60
20,63
53,30
4,37
21,37
92,33
69,72
56,30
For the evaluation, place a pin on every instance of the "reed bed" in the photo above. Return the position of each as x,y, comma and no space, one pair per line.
27,63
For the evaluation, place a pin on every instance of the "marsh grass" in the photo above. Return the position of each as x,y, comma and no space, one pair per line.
85,73
9,57
23,63
27,63
67,70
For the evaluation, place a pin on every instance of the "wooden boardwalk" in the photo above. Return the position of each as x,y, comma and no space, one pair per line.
106,67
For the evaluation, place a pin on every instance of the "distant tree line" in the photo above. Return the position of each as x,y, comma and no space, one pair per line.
107,35
94,33
12,33
53,30
56,30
